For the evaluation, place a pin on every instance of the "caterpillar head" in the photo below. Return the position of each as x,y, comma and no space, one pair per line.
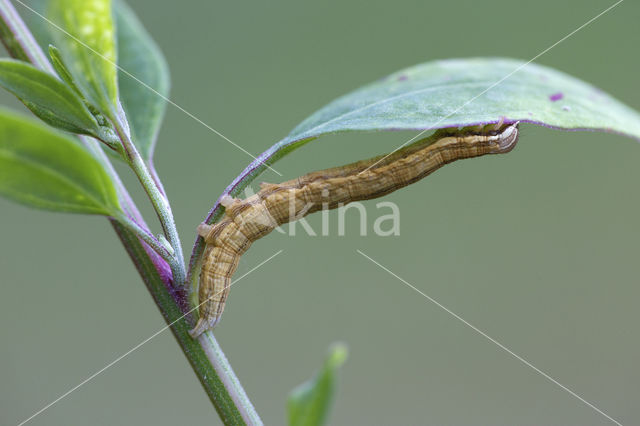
508,138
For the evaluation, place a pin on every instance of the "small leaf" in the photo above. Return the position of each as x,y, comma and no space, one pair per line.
452,93
88,49
47,97
142,59
42,168
309,403
61,68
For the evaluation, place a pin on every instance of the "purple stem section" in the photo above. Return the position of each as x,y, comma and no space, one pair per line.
29,48
131,210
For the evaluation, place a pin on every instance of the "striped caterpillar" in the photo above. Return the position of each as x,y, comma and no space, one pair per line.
275,204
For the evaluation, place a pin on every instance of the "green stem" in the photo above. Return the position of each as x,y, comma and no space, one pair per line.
145,236
205,355
159,202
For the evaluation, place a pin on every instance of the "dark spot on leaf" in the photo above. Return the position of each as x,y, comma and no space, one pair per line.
402,77
556,97
566,108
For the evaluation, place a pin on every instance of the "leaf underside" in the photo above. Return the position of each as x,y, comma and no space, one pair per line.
465,92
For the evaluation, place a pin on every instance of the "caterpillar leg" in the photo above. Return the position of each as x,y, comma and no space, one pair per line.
203,325
204,230
227,201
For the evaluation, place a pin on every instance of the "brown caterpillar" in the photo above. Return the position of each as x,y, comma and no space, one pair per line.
248,220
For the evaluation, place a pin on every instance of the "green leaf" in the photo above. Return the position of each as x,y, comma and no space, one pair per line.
47,97
42,168
142,59
61,68
309,403
88,48
452,93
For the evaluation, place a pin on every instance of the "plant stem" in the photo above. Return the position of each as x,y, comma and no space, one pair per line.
205,356
145,236
18,40
158,200
229,380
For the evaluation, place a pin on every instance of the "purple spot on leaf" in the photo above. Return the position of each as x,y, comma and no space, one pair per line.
530,114
556,97
402,77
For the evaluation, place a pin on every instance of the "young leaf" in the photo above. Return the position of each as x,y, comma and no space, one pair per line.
47,97
61,68
309,403
42,168
453,92
141,58
88,49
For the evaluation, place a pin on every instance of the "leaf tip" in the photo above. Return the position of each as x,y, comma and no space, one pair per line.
338,354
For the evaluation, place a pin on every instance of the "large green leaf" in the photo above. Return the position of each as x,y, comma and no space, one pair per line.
47,97
46,169
453,92
309,403
139,57
88,48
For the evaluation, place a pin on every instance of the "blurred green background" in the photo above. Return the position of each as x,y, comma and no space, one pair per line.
538,248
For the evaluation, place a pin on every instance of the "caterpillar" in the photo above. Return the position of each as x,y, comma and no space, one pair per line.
247,220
